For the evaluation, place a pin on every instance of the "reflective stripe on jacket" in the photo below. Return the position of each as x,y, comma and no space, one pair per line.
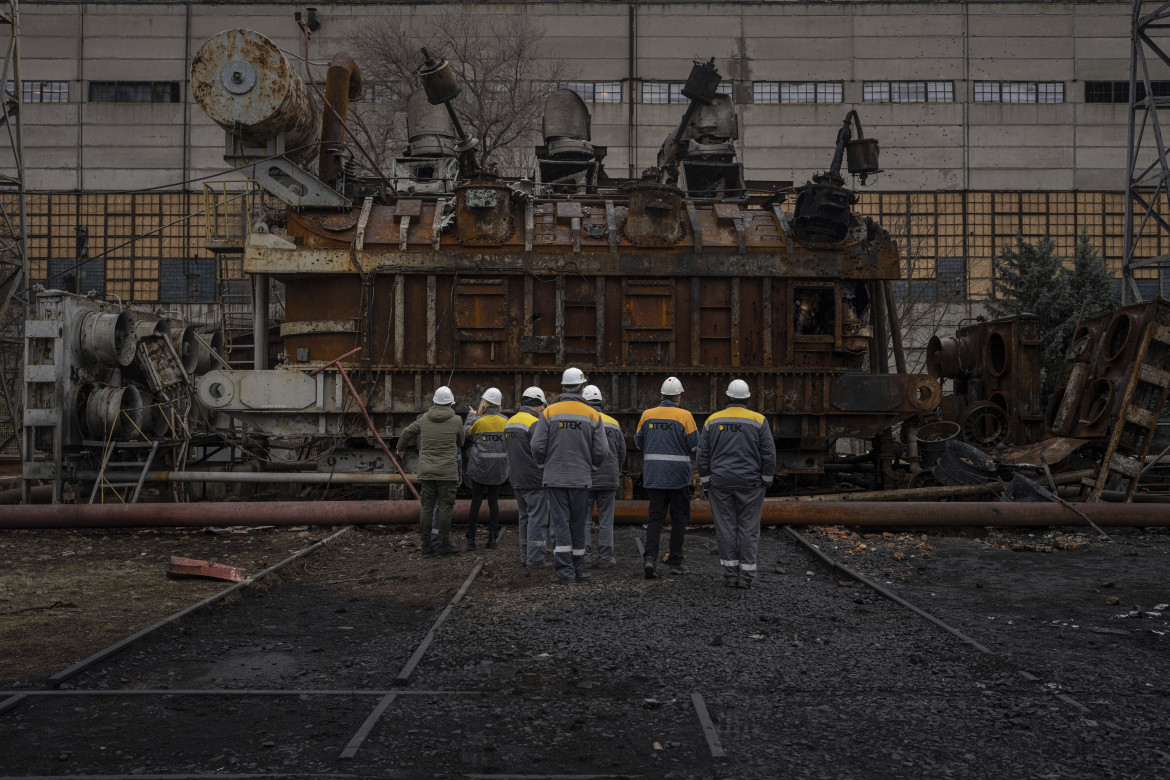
668,435
487,457
569,440
736,449
608,475
523,472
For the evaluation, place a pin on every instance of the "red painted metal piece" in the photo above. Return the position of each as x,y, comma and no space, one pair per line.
190,567
358,399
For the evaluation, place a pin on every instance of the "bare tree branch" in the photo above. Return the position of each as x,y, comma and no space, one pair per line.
499,62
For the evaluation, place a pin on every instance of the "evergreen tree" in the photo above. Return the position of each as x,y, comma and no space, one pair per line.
1035,280
1091,283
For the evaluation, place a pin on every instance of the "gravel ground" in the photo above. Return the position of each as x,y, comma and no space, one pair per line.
807,675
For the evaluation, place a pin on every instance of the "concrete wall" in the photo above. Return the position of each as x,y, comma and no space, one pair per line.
944,146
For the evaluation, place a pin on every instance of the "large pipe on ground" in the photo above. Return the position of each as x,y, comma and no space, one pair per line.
893,514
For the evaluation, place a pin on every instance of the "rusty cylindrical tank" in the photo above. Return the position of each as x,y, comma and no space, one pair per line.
243,82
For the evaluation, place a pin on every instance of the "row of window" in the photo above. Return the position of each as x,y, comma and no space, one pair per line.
658,92
99,91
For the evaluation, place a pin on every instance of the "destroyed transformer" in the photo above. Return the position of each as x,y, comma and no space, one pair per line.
453,275
443,272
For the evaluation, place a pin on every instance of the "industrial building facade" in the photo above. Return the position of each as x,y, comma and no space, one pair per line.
995,119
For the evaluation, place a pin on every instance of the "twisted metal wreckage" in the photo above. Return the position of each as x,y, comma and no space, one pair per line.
442,272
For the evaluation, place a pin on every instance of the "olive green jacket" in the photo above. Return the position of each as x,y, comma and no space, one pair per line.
440,435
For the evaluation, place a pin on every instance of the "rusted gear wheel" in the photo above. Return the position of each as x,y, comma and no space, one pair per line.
983,424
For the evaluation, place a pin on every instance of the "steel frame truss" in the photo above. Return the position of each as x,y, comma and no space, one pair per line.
13,227
1147,185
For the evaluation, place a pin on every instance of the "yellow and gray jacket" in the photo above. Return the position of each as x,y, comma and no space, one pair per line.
736,449
569,440
487,457
523,472
608,475
668,435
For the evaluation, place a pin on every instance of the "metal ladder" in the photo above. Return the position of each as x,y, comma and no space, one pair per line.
42,364
235,300
1137,420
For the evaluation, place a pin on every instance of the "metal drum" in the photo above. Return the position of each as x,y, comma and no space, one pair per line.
244,83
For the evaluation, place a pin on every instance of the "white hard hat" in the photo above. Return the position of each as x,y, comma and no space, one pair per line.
572,377
444,396
493,396
738,389
534,392
672,386
591,393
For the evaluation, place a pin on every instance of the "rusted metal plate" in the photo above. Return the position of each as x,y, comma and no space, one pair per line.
1053,451
190,567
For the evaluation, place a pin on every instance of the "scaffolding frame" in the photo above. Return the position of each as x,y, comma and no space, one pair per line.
14,274
1147,183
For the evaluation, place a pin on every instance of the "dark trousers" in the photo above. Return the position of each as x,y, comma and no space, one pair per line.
438,498
678,501
478,491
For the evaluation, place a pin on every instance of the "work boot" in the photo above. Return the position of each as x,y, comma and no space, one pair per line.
540,566
427,550
612,562
748,584
729,582
470,545
443,550
558,580
583,576
491,544
650,570
678,568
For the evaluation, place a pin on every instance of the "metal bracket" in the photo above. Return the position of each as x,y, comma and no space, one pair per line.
294,185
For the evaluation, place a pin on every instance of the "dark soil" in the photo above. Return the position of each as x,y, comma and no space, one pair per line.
807,675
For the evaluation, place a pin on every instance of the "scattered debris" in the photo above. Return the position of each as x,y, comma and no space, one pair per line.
189,567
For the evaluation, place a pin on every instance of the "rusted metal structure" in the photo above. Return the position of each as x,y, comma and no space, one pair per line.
500,284
997,396
1115,389
444,273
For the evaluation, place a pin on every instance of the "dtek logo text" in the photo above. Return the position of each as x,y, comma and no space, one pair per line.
573,425
733,427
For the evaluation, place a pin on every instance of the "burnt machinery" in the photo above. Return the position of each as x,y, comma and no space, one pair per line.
995,365
106,385
492,282
492,285
1115,389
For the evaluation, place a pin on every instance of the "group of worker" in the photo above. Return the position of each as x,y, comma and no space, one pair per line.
564,459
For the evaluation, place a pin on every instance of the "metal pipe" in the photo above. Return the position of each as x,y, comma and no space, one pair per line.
895,325
343,83
891,514
938,491
260,289
253,477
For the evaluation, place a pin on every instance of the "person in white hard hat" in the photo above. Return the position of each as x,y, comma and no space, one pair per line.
667,434
569,440
737,460
606,481
440,435
487,463
527,480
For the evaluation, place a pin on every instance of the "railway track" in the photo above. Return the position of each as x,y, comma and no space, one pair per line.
507,678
